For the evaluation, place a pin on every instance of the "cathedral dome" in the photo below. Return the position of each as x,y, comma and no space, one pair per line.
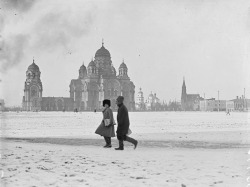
102,52
82,71
91,64
151,95
33,67
123,66
83,67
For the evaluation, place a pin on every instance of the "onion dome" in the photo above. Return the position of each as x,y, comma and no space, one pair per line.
82,71
123,66
92,70
92,64
151,95
33,67
82,68
102,52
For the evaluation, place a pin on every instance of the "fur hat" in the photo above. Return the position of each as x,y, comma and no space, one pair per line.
120,99
106,101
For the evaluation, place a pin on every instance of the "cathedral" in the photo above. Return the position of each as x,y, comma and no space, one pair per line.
189,102
96,82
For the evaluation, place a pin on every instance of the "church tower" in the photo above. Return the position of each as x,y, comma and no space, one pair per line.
140,105
183,95
32,89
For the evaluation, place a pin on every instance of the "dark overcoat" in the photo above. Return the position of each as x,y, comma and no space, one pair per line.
122,120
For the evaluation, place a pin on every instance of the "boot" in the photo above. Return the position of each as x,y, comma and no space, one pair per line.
108,142
132,140
121,147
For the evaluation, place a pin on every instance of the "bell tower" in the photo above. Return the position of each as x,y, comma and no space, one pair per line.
183,95
32,89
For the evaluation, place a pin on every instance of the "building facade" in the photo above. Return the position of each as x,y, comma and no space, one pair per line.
241,104
207,105
214,105
189,102
153,102
32,89
96,82
230,106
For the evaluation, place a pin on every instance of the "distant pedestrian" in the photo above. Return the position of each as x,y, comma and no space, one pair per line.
123,125
106,128
228,112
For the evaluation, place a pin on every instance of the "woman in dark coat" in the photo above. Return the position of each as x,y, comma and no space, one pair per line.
107,130
123,124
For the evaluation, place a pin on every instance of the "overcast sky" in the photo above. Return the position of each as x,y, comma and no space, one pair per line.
207,41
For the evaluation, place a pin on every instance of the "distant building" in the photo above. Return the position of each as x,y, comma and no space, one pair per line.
2,105
207,104
230,106
32,89
241,104
153,102
94,84
220,105
33,100
212,105
140,104
189,102
57,104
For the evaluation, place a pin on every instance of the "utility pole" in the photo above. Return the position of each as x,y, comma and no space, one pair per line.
244,105
218,101
204,103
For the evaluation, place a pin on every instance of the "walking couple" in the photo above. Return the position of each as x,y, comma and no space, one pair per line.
107,129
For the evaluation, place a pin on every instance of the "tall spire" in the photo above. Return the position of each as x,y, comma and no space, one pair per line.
102,42
184,81
33,61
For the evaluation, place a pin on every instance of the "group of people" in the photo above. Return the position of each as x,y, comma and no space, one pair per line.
107,129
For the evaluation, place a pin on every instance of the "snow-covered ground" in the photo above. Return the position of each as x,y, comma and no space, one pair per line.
44,124
175,149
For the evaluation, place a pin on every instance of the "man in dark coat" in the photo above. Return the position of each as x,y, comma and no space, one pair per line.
123,124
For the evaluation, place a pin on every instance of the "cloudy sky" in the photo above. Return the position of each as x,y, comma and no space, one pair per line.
161,41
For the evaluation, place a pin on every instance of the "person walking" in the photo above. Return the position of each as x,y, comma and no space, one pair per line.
106,128
123,124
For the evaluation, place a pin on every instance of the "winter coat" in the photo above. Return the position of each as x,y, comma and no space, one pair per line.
108,131
122,120
108,114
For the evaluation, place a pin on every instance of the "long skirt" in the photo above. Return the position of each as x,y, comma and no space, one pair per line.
105,131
